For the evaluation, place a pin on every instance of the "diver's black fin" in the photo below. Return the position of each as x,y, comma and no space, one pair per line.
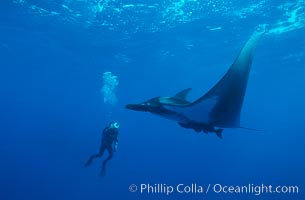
103,171
183,94
219,132
251,129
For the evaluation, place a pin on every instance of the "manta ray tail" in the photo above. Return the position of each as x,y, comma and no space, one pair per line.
251,129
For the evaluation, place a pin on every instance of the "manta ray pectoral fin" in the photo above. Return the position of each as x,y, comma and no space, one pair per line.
183,125
187,126
183,94
219,132
221,105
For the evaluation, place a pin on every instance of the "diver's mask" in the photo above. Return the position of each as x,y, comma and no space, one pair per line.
115,125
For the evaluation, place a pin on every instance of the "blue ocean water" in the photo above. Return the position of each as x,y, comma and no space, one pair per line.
52,112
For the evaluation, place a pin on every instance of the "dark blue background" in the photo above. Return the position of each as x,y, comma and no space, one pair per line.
52,112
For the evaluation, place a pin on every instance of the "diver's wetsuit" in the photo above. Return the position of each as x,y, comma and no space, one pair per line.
110,136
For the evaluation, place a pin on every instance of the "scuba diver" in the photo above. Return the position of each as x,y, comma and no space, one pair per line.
109,142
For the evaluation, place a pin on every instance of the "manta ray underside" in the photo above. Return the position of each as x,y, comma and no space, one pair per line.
219,107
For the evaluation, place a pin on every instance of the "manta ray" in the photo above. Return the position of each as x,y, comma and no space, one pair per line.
219,108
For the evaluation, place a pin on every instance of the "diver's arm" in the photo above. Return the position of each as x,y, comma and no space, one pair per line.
115,146
104,131
116,142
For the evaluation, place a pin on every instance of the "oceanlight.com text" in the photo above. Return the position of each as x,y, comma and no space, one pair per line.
255,189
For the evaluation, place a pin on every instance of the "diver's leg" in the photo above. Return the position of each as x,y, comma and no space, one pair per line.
110,156
92,157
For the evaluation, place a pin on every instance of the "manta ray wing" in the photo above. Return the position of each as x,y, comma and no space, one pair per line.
222,104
